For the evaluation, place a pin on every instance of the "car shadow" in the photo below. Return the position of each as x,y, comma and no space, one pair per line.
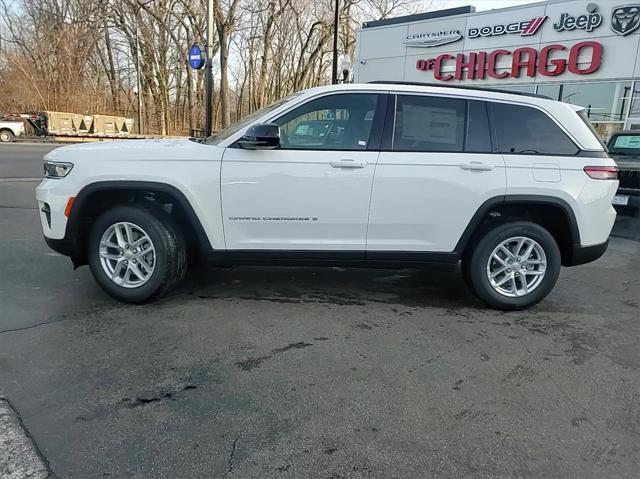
337,286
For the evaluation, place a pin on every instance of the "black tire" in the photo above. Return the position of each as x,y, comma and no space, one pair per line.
170,248
474,266
6,136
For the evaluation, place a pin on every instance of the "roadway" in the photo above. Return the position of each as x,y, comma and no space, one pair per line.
331,373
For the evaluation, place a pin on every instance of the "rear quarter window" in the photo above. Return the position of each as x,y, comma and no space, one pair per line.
526,130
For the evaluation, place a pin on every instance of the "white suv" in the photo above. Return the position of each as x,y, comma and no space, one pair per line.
384,175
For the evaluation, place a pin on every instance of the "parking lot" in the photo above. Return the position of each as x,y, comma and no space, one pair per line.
328,373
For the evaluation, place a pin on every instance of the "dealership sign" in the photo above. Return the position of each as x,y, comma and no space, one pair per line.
432,39
552,60
527,28
625,19
592,19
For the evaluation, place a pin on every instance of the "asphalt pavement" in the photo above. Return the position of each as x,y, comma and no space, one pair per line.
310,372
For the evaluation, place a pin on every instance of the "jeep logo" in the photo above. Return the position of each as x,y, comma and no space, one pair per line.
592,19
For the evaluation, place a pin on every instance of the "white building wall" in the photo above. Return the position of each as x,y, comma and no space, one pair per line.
382,55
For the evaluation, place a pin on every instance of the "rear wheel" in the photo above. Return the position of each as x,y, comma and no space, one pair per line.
136,253
6,136
513,266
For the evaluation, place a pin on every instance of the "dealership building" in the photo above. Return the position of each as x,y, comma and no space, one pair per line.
586,53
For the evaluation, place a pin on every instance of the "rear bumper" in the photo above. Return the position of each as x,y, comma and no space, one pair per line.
586,254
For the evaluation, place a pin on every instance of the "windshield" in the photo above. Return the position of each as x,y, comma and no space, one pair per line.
625,144
225,133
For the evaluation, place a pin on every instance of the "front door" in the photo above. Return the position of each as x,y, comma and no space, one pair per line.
313,192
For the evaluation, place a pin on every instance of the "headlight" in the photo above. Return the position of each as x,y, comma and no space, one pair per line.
54,169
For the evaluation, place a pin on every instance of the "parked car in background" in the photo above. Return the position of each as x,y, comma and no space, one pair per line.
624,147
10,129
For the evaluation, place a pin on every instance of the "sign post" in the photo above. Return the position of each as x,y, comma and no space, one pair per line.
208,72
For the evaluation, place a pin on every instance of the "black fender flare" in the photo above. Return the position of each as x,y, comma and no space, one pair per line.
503,200
72,246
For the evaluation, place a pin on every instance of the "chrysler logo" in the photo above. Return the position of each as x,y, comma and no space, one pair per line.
433,39
625,19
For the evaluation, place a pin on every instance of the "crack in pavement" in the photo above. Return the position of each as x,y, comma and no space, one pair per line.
252,363
73,315
233,453
20,456
132,403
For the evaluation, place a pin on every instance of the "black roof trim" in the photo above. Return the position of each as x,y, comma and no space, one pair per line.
447,12
462,87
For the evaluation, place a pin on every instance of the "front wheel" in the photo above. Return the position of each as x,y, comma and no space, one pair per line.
136,253
6,136
513,266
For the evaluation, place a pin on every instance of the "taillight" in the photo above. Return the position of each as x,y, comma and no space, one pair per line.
602,172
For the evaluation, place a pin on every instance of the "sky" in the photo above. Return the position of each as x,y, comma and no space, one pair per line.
483,4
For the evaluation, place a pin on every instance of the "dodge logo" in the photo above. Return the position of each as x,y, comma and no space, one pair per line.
625,19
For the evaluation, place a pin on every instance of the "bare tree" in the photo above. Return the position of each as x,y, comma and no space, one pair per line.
80,56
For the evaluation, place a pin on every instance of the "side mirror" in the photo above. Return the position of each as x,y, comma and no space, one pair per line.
263,136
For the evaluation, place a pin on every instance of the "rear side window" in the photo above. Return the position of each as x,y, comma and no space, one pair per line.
522,129
426,123
436,124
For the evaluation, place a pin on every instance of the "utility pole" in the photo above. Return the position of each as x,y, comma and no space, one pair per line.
334,69
138,79
209,72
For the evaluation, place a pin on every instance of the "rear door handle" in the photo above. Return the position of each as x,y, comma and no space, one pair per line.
476,166
346,163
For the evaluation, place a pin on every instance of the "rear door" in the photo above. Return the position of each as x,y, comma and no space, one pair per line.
435,169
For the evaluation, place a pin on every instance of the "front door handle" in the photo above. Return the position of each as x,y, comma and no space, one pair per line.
476,166
346,163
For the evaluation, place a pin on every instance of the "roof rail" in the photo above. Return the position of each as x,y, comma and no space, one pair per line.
462,87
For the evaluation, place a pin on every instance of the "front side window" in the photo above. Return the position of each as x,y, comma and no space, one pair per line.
334,122
526,130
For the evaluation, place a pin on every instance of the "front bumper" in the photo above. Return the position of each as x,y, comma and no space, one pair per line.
52,196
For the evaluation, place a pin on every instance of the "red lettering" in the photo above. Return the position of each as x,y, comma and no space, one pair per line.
559,64
478,65
482,65
437,68
596,57
470,66
518,62
493,60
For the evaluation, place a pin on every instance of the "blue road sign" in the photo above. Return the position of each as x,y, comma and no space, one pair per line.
196,57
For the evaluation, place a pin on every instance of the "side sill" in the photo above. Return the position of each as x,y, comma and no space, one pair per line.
352,259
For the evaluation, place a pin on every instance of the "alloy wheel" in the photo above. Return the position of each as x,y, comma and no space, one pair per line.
127,255
516,267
